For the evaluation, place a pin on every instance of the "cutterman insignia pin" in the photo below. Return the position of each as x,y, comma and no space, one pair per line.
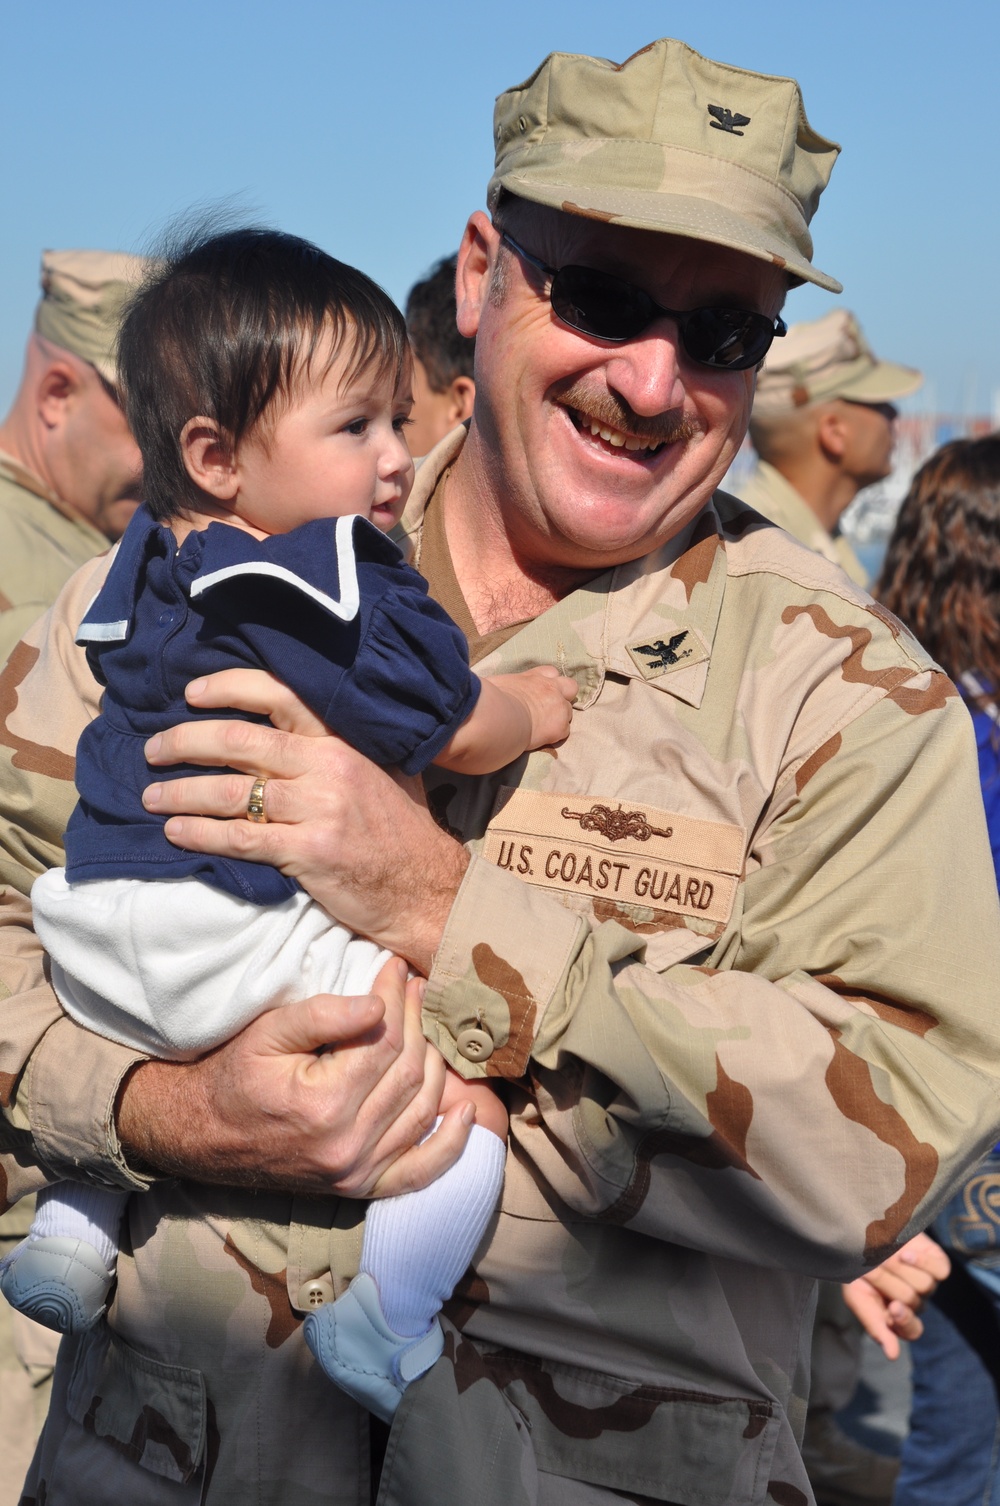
617,824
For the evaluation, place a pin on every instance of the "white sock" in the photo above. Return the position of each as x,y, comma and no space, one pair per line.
417,1246
74,1210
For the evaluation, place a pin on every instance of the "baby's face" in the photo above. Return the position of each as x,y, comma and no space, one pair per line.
337,448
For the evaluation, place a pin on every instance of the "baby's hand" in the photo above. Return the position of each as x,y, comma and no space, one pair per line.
514,713
547,697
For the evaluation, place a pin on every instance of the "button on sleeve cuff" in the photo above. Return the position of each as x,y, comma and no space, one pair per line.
503,958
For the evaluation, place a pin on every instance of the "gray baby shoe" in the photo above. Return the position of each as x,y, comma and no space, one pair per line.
61,1283
356,1347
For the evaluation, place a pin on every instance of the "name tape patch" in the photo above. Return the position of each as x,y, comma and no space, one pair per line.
633,853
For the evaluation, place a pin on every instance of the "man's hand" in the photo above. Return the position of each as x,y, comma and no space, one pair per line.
264,1110
361,843
886,1300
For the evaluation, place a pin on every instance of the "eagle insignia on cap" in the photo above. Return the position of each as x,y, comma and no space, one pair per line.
725,120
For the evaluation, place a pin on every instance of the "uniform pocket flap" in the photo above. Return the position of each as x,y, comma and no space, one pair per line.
669,1442
670,947
152,1413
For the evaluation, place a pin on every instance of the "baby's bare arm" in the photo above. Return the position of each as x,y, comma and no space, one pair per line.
513,713
490,1111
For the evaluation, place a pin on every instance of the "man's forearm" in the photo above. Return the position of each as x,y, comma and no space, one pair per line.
159,1115
327,1095
58,1082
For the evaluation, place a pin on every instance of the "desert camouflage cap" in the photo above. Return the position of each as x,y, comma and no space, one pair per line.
826,358
669,141
83,294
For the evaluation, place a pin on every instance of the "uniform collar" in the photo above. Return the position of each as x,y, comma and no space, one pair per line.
109,616
773,495
797,517
318,560
653,619
12,470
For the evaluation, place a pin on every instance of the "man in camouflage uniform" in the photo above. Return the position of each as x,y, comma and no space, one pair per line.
733,944
69,468
822,426
68,483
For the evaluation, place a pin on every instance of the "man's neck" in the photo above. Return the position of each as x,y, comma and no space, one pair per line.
825,490
499,585
16,441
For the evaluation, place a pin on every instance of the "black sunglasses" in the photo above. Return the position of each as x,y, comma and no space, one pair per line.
608,308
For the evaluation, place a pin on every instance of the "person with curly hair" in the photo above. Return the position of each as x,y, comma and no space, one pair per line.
941,576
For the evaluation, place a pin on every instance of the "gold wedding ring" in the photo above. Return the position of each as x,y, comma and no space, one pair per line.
255,805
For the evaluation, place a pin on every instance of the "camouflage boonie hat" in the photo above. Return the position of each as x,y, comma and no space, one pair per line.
83,294
821,359
669,141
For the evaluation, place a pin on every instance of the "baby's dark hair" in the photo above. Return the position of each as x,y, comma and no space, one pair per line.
224,327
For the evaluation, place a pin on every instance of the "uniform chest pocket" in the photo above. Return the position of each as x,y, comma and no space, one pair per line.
672,879
152,1417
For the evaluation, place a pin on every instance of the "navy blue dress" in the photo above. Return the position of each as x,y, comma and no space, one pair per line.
331,609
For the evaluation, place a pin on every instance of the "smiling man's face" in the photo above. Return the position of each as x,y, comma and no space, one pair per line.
605,451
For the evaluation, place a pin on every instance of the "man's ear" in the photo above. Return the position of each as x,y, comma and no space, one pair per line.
480,244
831,432
461,399
209,458
57,391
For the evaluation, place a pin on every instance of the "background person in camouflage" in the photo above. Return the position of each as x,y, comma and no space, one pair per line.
822,426
443,384
733,948
69,468
68,483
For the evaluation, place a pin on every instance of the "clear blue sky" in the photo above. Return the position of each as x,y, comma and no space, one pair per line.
367,127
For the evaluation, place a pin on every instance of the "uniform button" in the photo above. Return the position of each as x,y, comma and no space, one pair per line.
314,1294
167,617
475,1045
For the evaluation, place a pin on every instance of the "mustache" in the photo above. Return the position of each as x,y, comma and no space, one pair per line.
611,411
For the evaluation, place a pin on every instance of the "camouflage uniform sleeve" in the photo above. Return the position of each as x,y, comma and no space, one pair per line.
15,622
58,1082
805,1101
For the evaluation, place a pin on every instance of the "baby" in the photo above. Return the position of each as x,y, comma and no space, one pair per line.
268,388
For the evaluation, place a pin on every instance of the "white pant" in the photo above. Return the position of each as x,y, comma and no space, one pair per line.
174,966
